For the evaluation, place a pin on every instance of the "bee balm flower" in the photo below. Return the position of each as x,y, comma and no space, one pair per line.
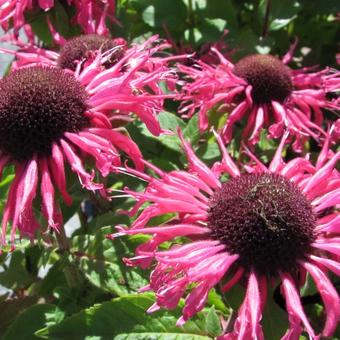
261,225
49,119
134,74
261,91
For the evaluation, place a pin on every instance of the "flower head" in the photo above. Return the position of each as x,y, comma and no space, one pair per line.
258,225
134,74
261,91
50,118
84,47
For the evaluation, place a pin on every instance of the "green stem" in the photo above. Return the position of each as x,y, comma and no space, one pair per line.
266,18
191,21
72,275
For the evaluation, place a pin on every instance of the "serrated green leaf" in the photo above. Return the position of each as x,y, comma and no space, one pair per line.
215,300
126,318
29,321
100,260
170,121
112,277
213,323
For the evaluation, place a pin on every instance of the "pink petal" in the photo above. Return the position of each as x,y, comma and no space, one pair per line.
76,165
329,296
47,194
294,307
56,163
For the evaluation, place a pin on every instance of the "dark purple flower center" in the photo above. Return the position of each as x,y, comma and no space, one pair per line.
265,219
85,46
269,77
37,106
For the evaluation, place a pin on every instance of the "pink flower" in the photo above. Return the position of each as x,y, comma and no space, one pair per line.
91,15
258,226
261,91
134,74
50,119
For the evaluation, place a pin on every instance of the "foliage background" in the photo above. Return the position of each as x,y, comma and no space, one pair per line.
82,290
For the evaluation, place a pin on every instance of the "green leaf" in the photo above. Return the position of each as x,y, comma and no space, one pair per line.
15,274
40,28
60,19
100,260
212,29
28,322
274,319
221,9
171,14
213,324
283,13
112,277
170,121
215,300
192,132
126,318
11,308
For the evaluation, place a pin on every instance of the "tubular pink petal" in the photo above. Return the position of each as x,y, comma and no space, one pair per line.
47,194
254,138
281,112
296,166
322,159
57,38
290,53
322,174
260,167
329,296
56,163
227,163
237,114
11,202
173,230
197,166
330,199
277,163
124,143
331,226
328,263
85,179
46,4
194,302
26,190
247,324
106,157
330,247
293,305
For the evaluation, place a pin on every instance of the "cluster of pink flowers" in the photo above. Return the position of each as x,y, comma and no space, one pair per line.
242,221
90,14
